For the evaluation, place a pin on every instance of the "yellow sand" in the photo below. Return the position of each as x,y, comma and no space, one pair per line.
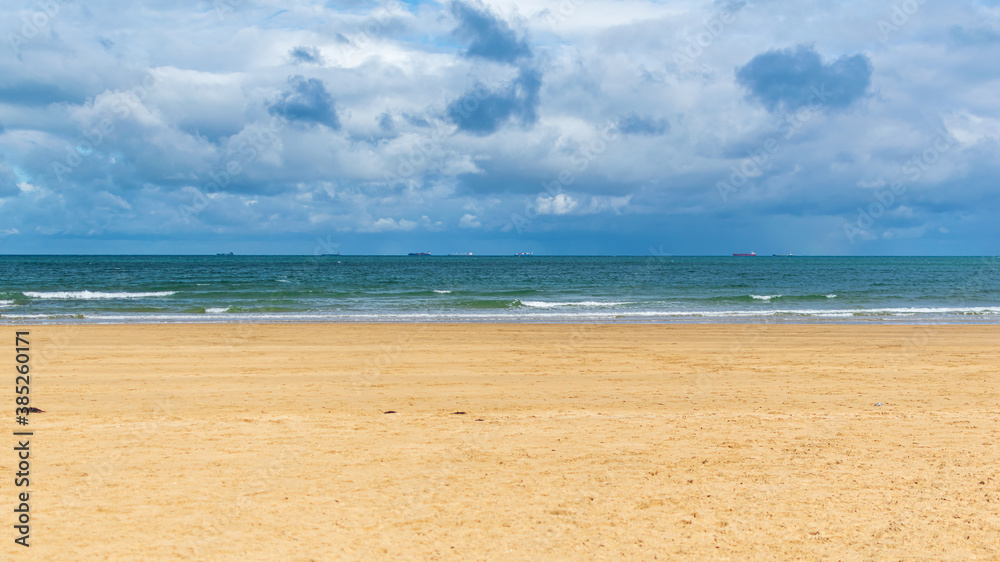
269,442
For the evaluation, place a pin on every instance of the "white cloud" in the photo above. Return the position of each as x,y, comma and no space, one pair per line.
469,221
388,224
560,204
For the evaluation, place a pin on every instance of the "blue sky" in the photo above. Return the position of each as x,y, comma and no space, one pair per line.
559,127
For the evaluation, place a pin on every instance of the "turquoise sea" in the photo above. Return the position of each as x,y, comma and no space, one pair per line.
651,289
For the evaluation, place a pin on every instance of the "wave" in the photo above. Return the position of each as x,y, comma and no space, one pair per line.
768,298
6,303
94,295
987,314
486,303
585,304
757,299
441,291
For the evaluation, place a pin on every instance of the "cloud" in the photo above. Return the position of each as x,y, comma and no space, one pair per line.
620,149
730,6
386,123
482,112
635,124
489,37
469,221
8,183
560,204
793,78
973,36
308,102
33,93
388,224
307,55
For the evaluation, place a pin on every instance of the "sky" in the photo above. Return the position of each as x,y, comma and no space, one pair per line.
558,127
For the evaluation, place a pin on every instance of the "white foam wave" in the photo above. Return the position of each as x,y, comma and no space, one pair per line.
6,303
831,296
216,309
765,297
986,314
441,291
94,295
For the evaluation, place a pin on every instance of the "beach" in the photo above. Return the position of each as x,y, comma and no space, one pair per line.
511,441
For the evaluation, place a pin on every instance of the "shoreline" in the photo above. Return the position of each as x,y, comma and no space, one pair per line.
700,321
574,441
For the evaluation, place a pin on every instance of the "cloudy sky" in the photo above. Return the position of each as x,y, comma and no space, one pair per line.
559,127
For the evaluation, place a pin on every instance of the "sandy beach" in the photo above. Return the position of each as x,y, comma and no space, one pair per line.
541,442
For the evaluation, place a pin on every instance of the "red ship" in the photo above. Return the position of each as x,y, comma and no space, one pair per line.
750,255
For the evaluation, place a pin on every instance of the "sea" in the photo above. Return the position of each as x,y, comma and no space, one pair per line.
554,289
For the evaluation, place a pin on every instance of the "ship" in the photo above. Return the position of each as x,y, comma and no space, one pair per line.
419,254
743,255
523,254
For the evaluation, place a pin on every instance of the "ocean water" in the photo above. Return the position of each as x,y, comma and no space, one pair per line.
653,289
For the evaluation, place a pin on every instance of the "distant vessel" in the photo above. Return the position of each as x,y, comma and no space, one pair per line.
419,254
782,255
460,254
750,255
523,254
229,254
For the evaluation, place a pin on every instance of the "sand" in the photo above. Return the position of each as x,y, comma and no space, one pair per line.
267,442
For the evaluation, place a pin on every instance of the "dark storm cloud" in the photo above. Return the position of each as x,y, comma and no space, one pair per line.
791,78
308,102
482,112
489,37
